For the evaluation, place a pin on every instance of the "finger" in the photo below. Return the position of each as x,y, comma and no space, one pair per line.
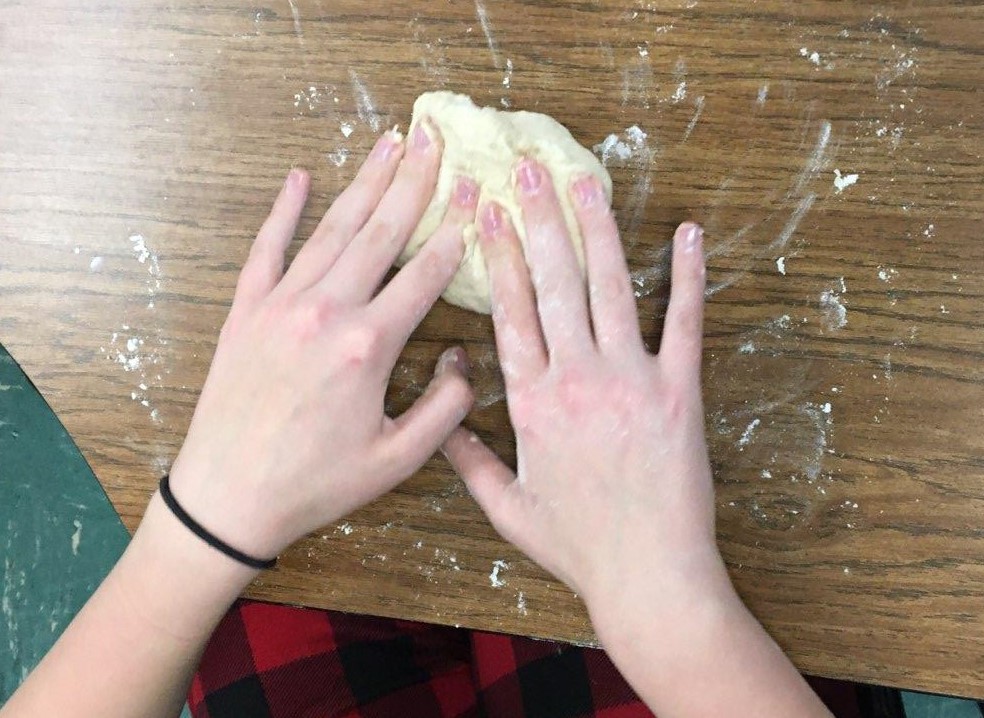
489,481
613,309
264,267
347,214
680,349
362,265
415,435
403,303
518,337
553,263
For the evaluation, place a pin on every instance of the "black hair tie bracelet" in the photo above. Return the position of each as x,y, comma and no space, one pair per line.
202,533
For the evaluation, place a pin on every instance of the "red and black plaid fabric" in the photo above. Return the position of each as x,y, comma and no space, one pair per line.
270,661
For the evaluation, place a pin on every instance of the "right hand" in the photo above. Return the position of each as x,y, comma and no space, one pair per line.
613,494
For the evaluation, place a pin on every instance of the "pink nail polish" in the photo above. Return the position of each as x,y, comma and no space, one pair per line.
587,190
420,140
528,176
386,146
695,235
492,220
465,191
453,357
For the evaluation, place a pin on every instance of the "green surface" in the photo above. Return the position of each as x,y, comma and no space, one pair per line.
61,537
921,705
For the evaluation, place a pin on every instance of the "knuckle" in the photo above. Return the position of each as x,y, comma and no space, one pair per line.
311,318
381,231
361,343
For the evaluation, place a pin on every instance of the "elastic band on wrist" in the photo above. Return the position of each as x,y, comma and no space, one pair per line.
203,533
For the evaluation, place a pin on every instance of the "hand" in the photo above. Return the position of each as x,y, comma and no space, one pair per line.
613,490
289,433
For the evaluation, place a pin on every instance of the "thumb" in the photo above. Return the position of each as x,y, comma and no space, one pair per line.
417,434
490,482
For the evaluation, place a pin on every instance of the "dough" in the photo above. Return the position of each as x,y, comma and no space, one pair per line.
485,144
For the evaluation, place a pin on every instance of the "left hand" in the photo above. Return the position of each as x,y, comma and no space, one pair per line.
290,433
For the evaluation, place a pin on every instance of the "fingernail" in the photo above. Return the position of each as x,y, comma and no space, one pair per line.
293,179
387,145
587,190
693,238
465,191
420,140
455,357
528,176
492,219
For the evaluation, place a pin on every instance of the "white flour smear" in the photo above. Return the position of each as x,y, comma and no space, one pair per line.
297,21
363,101
834,311
794,220
483,20
817,159
698,111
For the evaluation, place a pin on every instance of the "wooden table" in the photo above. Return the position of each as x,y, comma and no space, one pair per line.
142,143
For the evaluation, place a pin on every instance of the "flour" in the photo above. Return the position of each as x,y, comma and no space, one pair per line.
76,537
494,579
339,156
793,223
630,145
363,100
834,311
483,20
698,111
842,182
746,436
813,57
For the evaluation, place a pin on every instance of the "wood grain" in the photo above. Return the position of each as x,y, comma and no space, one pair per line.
844,397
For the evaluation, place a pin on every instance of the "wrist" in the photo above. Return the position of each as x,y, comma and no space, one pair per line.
675,603
171,581
234,512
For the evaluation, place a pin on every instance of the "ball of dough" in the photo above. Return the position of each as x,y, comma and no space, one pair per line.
485,143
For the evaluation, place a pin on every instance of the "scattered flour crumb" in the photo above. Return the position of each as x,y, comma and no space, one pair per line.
345,528
95,264
76,536
521,604
339,156
498,565
886,274
834,311
763,93
347,129
842,182
680,94
746,435
813,57
747,348
140,247
781,265
632,141
766,474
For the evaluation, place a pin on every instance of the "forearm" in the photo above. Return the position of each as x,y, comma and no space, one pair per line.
133,648
709,657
